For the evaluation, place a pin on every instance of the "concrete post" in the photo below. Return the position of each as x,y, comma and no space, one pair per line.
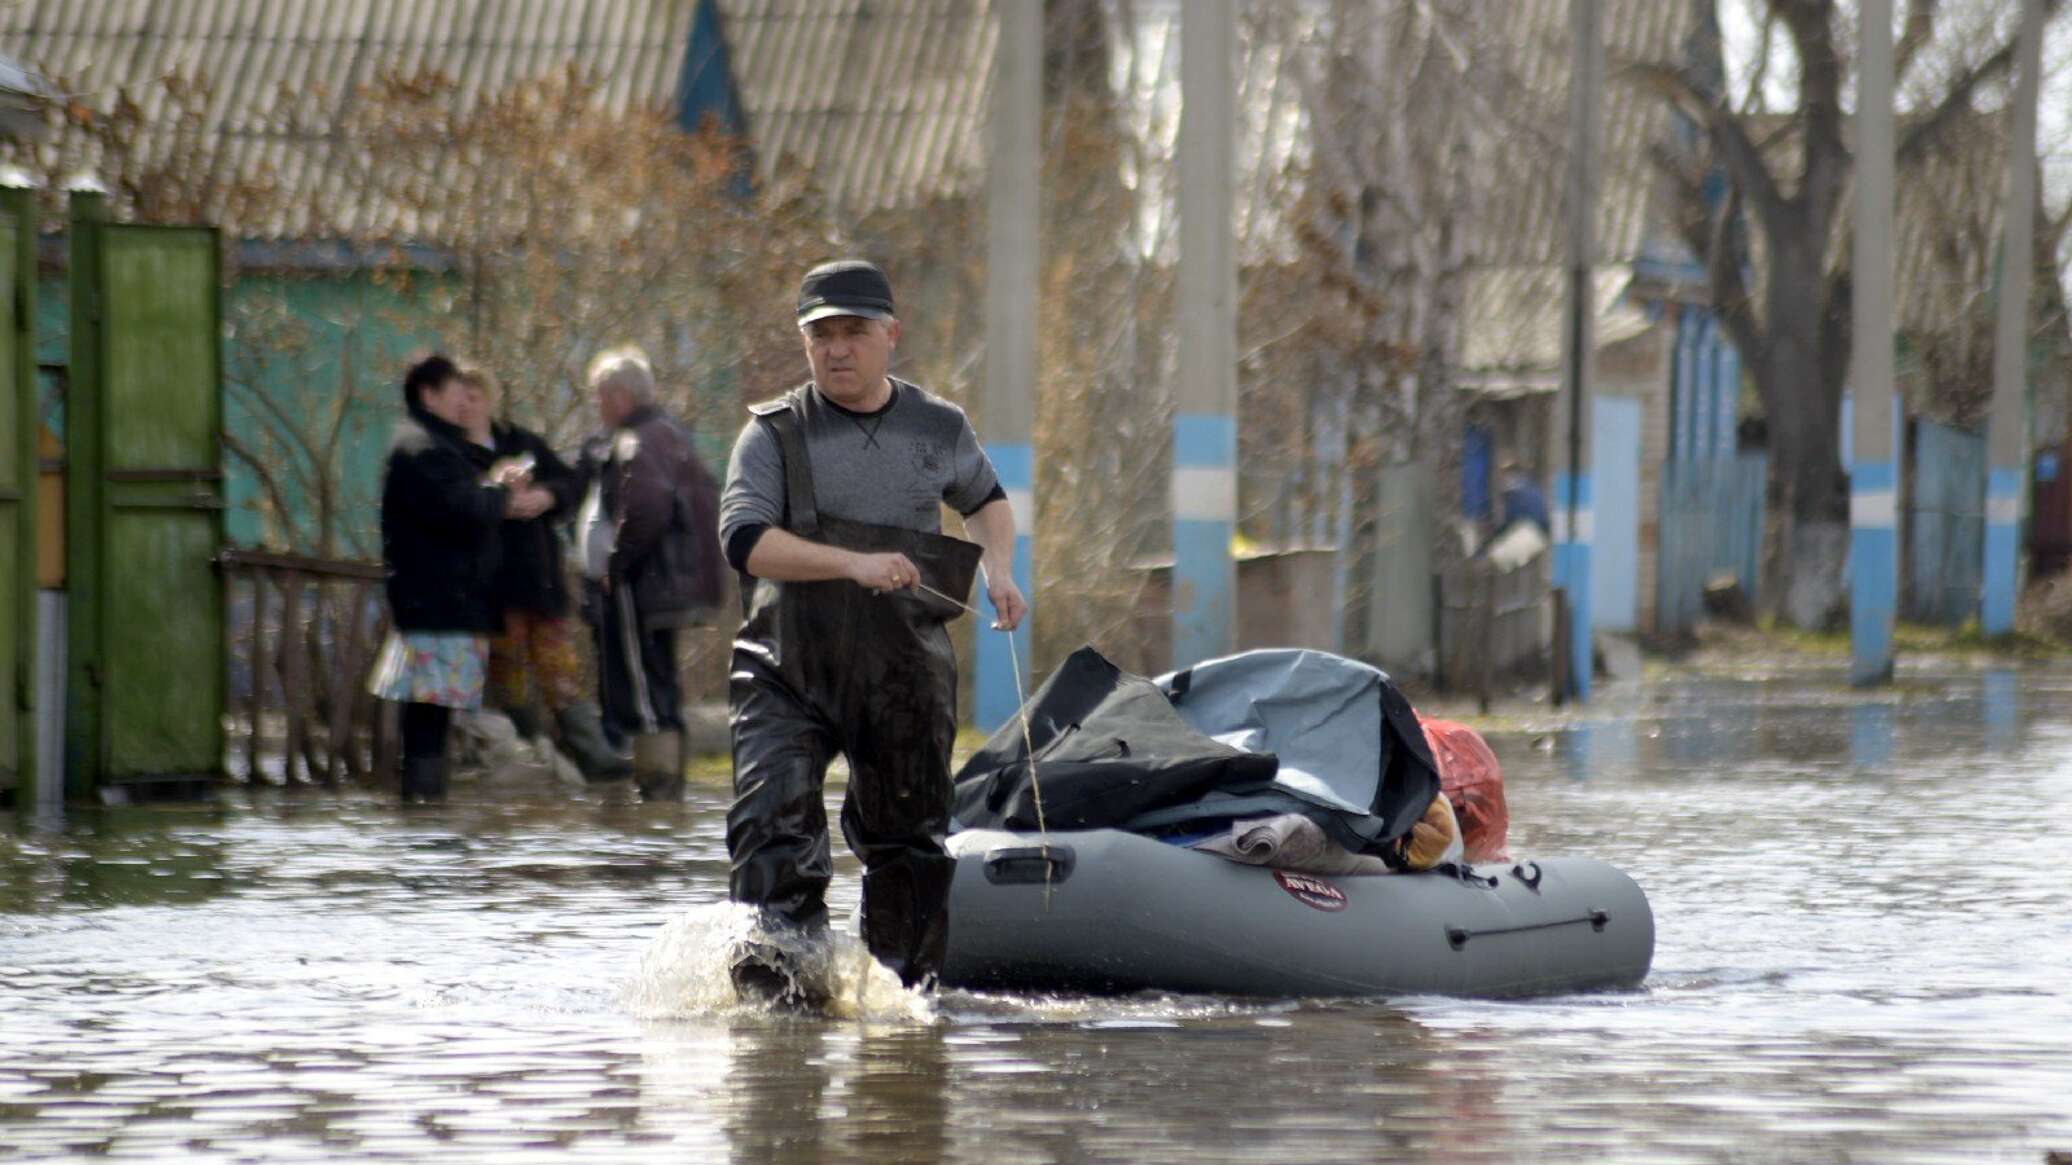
1874,477
1205,423
2007,428
1008,401
1571,509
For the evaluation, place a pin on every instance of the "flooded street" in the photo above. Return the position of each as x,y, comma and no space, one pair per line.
1864,954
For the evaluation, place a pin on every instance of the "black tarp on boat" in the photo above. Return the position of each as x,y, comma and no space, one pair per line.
1114,751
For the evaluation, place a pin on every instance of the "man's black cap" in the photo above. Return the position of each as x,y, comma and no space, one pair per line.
845,287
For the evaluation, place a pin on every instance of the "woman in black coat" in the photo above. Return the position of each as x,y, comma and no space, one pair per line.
440,511
534,666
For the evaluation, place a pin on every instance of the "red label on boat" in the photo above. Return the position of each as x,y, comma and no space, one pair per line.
1313,892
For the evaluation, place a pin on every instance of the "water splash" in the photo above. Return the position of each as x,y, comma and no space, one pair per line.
683,973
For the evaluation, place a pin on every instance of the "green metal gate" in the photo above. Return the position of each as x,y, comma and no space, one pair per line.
146,507
18,425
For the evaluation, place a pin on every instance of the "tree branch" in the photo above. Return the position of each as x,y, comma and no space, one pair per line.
2056,228
1923,133
1838,298
1744,162
1918,30
262,471
1760,75
1826,162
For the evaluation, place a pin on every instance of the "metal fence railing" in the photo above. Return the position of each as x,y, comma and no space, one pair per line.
303,635
1711,524
1490,622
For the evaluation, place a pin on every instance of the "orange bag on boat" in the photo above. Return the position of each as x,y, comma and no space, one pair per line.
1474,785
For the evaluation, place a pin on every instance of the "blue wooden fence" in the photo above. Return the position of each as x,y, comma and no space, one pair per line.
1946,525
1711,523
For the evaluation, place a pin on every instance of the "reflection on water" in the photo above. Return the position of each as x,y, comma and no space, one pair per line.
1870,735
2000,702
1864,952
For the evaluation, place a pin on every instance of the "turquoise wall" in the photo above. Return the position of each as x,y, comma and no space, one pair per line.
312,371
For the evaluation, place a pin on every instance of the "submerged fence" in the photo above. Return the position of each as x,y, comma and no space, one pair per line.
1711,524
1946,524
303,634
1489,625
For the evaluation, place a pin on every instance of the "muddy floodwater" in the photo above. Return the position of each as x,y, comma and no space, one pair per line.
1864,912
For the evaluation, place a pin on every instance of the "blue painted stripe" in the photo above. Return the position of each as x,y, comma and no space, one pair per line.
1870,734
1204,625
1572,575
1204,441
995,699
2000,699
1014,464
2001,583
1579,484
1997,597
1873,601
1873,475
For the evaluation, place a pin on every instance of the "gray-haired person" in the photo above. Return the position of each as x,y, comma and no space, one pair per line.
650,548
832,512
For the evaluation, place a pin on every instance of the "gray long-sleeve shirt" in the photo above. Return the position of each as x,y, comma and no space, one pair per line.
894,467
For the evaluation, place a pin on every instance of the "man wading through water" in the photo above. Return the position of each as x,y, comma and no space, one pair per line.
832,514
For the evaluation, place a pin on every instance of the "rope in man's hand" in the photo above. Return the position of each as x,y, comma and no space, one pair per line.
1021,713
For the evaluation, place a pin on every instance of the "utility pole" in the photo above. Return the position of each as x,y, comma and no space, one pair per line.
1572,520
1205,423
2007,427
1013,184
1874,476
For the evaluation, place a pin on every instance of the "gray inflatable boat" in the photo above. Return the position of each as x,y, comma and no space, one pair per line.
1108,911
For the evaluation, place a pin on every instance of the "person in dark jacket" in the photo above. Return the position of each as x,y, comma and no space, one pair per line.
1522,499
536,646
440,508
649,536
590,553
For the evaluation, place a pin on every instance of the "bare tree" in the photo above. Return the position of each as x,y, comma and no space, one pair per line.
525,230
571,228
1397,100
1776,249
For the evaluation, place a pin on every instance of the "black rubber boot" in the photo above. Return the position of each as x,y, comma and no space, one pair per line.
582,738
525,721
778,978
658,766
424,779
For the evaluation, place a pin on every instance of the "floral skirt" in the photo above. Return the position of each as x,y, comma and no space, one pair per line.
536,651
432,667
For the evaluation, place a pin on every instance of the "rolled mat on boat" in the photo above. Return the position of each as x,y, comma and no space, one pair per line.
1108,911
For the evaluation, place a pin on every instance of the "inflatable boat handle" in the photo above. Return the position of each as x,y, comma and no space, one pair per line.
1457,936
1029,865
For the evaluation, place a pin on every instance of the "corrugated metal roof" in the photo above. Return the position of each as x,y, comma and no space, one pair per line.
1272,128
1947,216
1522,233
1515,306
884,100
1947,210
1518,317
1526,221
284,72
